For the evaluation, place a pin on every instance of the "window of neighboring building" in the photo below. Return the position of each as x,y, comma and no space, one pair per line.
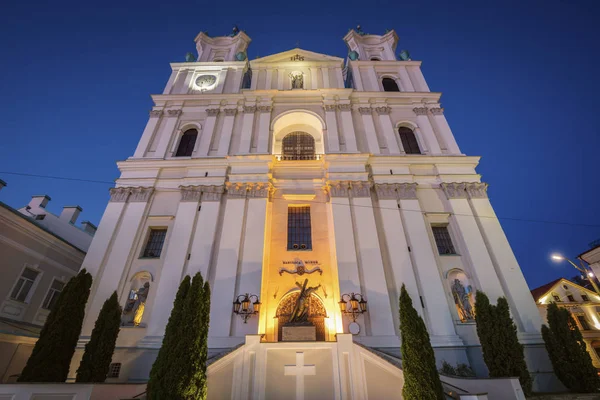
409,140
583,323
52,296
571,297
187,143
299,230
389,85
584,297
556,298
155,242
114,370
443,240
24,284
298,146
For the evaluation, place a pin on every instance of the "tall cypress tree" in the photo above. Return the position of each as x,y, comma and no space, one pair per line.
160,385
421,378
99,350
502,352
51,356
567,350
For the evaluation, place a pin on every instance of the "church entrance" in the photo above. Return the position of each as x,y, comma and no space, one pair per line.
316,313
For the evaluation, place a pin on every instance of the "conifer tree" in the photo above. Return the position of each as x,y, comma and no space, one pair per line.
160,385
502,352
51,356
567,350
98,352
421,378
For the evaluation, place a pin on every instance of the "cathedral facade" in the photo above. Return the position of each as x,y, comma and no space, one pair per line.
302,176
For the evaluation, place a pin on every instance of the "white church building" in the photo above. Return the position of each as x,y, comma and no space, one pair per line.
294,170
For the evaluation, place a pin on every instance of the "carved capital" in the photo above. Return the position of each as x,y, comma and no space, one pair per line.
339,188
383,110
249,109
230,112
265,108
344,107
237,190
259,189
477,190
420,110
437,111
212,192
365,110
407,191
140,194
174,113
360,188
190,193
118,194
156,113
212,112
386,191
329,107
455,190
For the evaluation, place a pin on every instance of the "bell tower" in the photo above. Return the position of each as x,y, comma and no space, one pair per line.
222,48
366,47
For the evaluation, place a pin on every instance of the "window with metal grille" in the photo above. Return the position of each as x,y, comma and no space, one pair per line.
186,144
583,323
155,242
299,232
52,296
389,85
24,284
443,240
114,370
298,146
409,140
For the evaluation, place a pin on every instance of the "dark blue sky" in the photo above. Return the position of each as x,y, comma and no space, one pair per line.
520,83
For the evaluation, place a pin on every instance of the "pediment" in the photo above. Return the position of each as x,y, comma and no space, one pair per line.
566,285
296,55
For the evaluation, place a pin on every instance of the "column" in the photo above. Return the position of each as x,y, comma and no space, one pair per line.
247,125
405,79
325,72
444,130
389,133
313,77
207,132
226,132
146,138
117,254
167,133
437,309
269,79
348,127
226,267
174,260
250,277
395,240
333,141
506,265
474,245
427,134
367,117
204,234
264,127
371,264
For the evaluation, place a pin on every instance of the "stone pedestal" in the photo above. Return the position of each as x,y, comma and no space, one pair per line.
302,333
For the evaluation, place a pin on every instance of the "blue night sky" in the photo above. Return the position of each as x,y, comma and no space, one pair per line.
520,83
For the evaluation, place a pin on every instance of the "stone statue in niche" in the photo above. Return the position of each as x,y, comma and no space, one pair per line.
136,303
462,299
301,308
297,81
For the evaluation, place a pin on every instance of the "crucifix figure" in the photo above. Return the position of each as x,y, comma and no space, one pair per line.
300,371
301,308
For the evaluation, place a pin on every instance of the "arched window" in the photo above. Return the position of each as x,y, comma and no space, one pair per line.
298,146
186,144
389,85
409,140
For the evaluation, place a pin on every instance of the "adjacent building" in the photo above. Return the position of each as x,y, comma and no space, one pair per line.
39,252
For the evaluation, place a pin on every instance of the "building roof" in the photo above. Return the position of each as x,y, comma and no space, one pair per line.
542,290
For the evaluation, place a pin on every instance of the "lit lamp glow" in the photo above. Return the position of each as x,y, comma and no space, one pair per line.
582,268
358,305
246,311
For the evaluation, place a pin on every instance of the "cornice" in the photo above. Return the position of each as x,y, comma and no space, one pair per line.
386,63
207,66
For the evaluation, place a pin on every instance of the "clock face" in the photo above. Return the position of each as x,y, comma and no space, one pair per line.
205,81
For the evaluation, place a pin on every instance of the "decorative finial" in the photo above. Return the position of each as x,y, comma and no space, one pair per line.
359,30
190,57
234,31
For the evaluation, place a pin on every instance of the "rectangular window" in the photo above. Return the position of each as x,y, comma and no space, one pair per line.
114,370
442,240
571,298
556,298
299,232
24,284
52,296
155,242
584,297
583,323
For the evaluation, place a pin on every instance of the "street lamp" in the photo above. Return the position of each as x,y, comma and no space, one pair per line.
246,308
582,268
358,305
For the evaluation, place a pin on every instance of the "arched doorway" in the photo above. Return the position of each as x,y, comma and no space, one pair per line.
298,146
316,315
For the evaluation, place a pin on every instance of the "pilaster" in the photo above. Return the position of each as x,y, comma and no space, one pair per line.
348,127
333,141
207,132
388,129
264,126
427,131
226,131
172,116
367,117
149,131
247,126
444,130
